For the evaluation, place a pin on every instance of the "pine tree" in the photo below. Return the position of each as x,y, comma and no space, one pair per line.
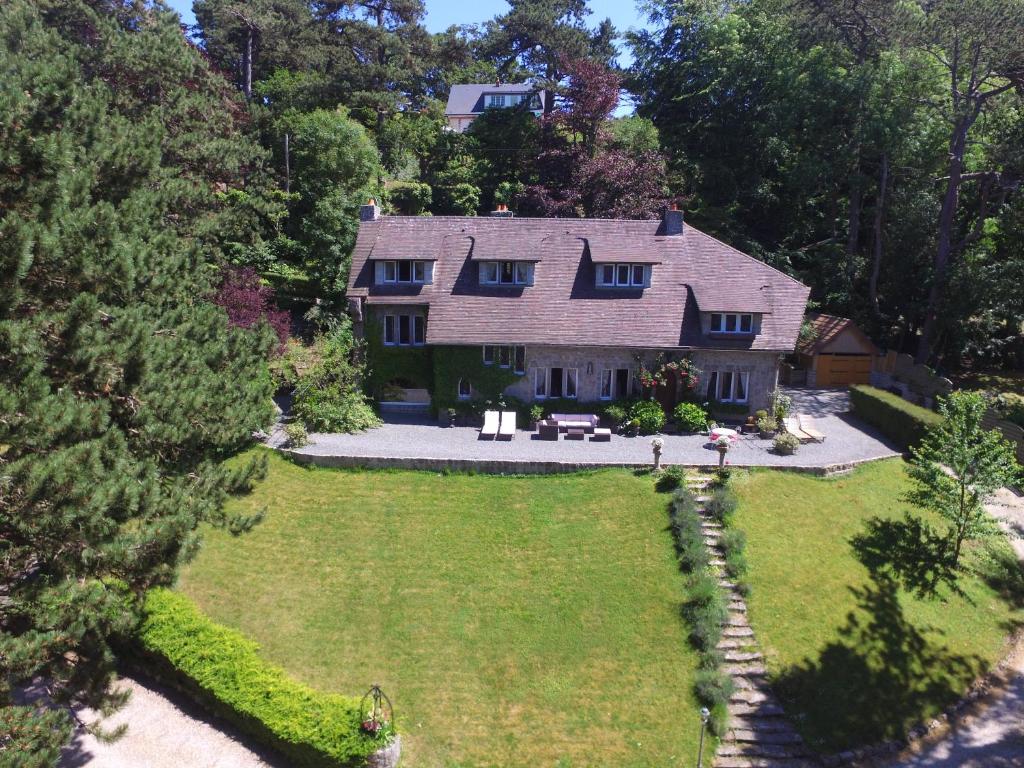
122,386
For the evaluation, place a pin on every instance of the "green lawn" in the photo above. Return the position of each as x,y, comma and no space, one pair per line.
855,658
514,621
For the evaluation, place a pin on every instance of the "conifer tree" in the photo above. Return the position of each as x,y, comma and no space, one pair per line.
122,385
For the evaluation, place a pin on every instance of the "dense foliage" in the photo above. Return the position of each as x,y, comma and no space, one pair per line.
901,421
223,670
122,385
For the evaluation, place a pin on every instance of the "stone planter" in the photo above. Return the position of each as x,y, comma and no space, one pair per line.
386,757
766,435
784,451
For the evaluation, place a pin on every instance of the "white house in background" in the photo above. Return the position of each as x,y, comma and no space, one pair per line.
468,101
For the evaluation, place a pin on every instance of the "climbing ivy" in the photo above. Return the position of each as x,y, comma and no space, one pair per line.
454,363
386,363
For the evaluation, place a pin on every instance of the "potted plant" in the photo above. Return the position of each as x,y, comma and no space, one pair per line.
766,427
632,428
786,444
451,413
656,446
536,414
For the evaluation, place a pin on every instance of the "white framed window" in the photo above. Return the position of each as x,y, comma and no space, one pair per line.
623,275
413,272
506,273
405,330
555,382
465,391
496,100
540,383
728,386
617,382
488,354
730,322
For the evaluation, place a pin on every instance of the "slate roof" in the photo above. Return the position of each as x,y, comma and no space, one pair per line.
827,329
468,98
564,307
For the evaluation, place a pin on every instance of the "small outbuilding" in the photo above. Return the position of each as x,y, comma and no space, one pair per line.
838,354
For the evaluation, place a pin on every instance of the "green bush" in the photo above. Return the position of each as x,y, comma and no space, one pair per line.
223,671
734,543
705,611
670,478
902,422
722,504
1010,407
613,415
686,530
690,417
649,414
296,436
713,688
786,443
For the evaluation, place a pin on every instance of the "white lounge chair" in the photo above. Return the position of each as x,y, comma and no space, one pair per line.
792,426
490,427
808,428
508,424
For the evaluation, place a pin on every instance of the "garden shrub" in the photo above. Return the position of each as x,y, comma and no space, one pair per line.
690,417
705,611
330,398
614,414
713,688
734,542
719,721
223,671
1009,406
670,478
686,530
786,443
902,422
296,436
722,504
649,414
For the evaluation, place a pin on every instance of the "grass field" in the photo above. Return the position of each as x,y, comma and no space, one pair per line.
857,658
514,621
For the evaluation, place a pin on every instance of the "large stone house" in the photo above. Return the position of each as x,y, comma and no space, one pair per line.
457,308
467,101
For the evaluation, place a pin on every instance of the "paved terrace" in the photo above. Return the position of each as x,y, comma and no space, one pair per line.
427,446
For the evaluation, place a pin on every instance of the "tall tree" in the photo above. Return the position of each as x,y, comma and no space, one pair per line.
978,44
122,386
542,35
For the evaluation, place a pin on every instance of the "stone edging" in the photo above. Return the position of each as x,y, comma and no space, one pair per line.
528,467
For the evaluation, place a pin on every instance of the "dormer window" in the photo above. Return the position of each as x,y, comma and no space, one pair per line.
623,275
727,322
496,100
408,272
506,273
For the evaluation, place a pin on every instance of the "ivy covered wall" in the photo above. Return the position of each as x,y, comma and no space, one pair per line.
454,363
386,364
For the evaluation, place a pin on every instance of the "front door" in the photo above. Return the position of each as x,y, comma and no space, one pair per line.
667,393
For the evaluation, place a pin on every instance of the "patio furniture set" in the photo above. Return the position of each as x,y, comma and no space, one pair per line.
574,426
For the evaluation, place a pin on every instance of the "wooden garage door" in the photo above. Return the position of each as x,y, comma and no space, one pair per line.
842,370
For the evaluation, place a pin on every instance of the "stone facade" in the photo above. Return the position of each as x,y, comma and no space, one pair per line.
589,363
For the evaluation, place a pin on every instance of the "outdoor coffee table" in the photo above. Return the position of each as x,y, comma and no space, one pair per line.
601,435
574,434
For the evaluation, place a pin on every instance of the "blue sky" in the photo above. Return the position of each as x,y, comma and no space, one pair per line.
441,14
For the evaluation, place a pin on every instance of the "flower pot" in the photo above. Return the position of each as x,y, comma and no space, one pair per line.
766,435
785,451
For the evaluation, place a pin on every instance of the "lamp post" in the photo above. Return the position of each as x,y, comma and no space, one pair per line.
704,715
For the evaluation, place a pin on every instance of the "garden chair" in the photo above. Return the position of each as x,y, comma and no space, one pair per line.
508,425
792,426
490,427
808,428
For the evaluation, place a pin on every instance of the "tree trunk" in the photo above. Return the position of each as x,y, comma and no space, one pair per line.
944,248
247,63
876,255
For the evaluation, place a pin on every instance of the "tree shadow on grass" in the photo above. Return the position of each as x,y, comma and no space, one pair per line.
908,551
1004,573
877,678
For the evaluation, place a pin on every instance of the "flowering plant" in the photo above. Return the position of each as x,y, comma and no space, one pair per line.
723,443
657,444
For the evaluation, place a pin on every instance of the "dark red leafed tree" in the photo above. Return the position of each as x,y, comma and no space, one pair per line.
580,172
248,301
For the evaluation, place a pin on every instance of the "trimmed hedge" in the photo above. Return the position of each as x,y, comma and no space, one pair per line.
222,670
902,422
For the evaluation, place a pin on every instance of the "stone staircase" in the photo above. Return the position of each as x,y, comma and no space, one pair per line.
759,735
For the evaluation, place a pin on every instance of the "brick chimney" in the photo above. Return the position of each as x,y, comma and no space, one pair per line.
673,220
370,211
501,211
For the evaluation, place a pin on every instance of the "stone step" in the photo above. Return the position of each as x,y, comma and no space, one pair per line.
716,563
745,669
755,710
739,657
736,620
709,525
748,696
762,750
735,761
726,584
733,643
737,632
766,724
745,736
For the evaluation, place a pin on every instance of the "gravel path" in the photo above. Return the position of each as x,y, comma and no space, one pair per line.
992,736
164,731
848,441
